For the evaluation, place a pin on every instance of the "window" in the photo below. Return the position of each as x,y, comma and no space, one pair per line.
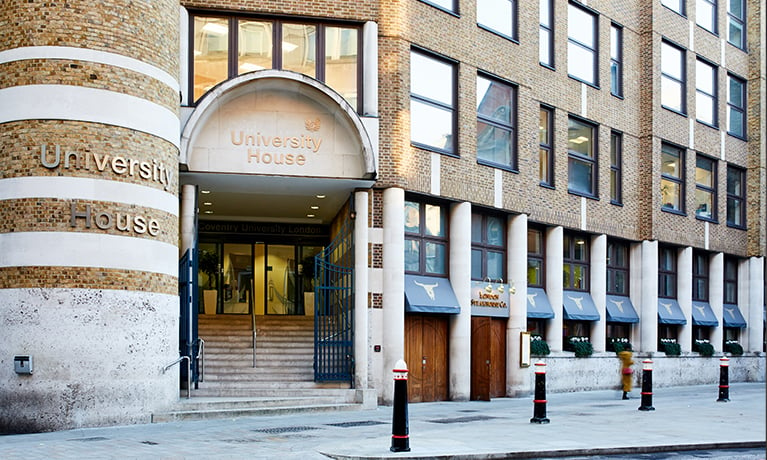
700,276
432,102
575,270
582,157
706,98
546,33
425,238
488,247
496,118
447,5
674,5
582,52
672,86
736,23
705,188
545,148
705,14
535,258
730,280
225,47
616,60
616,167
736,197
667,272
736,106
672,178
617,268
498,16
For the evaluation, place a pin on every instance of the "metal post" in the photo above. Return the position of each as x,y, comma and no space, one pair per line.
539,403
400,437
646,385
724,380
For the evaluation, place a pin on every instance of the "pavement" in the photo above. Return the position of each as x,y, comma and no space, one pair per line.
581,424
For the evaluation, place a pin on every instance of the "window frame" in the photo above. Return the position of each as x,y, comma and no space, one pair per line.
423,238
453,10
616,60
730,280
732,78
484,246
682,82
682,11
700,274
546,148
616,167
714,15
738,20
614,268
583,46
700,93
514,35
575,156
667,272
548,29
680,181
570,262
711,190
537,256
511,128
451,108
741,198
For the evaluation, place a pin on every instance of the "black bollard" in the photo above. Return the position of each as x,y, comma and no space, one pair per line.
539,403
724,380
400,438
646,385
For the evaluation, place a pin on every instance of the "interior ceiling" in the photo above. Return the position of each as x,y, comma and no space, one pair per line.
270,198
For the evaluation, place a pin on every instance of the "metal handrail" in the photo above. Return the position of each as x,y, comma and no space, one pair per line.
201,359
188,373
253,315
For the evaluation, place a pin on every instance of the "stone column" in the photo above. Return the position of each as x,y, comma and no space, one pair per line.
517,381
460,279
89,131
755,319
188,217
684,296
393,298
716,298
361,333
649,297
637,294
554,265
598,288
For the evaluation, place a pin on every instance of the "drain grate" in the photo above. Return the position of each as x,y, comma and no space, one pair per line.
286,429
473,418
150,443
95,438
353,424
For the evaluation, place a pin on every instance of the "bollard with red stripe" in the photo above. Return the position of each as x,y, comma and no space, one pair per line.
400,437
724,380
646,385
539,403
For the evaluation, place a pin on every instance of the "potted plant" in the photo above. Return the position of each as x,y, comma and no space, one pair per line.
581,346
208,264
670,347
703,347
538,346
733,347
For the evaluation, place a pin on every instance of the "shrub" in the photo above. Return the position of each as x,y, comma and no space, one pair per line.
671,348
618,345
703,347
582,349
538,346
733,348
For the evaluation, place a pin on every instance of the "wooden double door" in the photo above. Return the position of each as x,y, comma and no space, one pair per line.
426,355
488,357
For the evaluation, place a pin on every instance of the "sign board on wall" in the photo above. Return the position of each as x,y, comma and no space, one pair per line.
489,299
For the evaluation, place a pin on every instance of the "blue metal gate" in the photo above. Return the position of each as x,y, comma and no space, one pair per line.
188,303
334,309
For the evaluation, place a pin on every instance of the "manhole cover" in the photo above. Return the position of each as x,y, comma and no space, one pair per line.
474,418
353,424
286,429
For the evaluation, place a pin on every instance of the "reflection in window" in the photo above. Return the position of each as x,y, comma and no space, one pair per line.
575,268
535,258
730,280
736,106
666,272
545,146
299,48
255,46
341,61
736,23
581,157
675,5
488,247
736,197
425,238
432,102
705,188
616,167
672,178
672,86
706,102
211,53
616,60
546,33
705,14
582,52
498,16
617,268
448,5
700,276
495,122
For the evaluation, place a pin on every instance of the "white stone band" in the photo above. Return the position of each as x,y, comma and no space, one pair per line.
65,102
73,249
84,54
83,188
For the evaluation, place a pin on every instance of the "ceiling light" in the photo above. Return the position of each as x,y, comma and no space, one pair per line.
205,191
315,207
320,196
310,215
207,203
209,212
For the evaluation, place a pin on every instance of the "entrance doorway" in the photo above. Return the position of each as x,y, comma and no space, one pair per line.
488,357
426,354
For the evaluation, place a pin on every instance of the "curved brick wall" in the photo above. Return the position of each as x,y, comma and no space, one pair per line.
88,211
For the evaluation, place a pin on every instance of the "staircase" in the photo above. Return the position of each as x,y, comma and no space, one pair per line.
282,381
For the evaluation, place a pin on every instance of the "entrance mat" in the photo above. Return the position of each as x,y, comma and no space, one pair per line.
287,429
353,424
473,418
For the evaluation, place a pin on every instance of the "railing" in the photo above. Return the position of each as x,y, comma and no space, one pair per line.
188,373
200,359
253,315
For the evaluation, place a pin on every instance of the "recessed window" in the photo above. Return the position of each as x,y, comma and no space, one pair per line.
499,16
706,98
616,60
736,23
545,147
576,265
667,272
488,247
736,106
736,197
700,276
730,280
582,44
582,157
546,33
496,119
447,5
705,14
672,178
616,167
674,5
672,80
705,188
535,257
425,238
432,102
617,268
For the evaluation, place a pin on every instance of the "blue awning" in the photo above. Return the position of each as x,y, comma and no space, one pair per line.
669,312
430,294
538,305
702,315
732,316
579,306
620,310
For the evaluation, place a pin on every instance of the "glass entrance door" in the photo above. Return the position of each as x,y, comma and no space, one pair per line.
290,279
